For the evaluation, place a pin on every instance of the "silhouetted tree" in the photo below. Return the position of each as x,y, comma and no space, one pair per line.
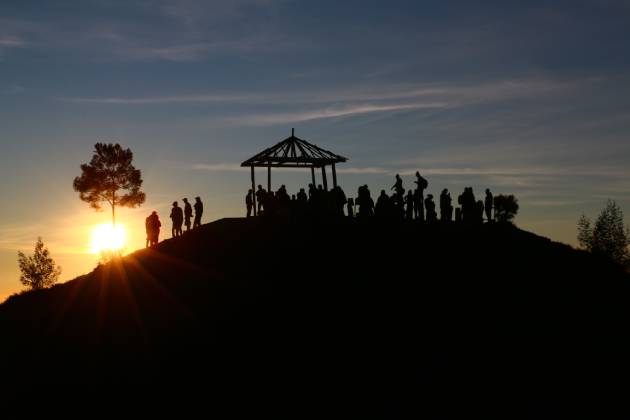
608,236
505,207
110,177
38,271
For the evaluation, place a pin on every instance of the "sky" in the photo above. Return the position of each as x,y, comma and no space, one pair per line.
526,98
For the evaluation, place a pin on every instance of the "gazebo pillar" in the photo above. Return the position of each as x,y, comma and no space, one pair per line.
254,190
313,176
324,178
269,178
334,172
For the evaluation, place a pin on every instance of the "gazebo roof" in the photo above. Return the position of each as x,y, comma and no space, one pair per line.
294,152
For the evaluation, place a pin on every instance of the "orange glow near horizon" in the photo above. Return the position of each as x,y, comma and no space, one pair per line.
107,238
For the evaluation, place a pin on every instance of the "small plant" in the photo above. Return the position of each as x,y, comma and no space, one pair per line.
608,236
38,271
505,207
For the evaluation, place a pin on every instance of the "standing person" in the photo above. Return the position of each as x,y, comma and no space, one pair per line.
430,208
409,201
198,212
260,197
148,227
398,187
421,185
187,213
446,210
489,204
155,225
249,202
350,207
177,216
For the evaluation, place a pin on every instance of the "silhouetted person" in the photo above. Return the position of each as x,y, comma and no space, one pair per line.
429,205
249,202
147,226
489,204
446,210
319,201
479,212
409,201
338,200
365,203
418,204
468,204
188,212
198,212
382,205
269,203
293,205
421,185
350,207
177,216
302,202
398,186
301,196
283,201
153,224
260,197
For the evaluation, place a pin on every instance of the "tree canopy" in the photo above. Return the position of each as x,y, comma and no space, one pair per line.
38,271
505,207
608,236
110,178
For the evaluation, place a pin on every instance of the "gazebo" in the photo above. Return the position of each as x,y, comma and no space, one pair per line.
293,152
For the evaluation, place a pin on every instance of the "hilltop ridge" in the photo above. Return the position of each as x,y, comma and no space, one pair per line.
391,319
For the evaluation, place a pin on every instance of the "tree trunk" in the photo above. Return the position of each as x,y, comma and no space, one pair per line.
113,209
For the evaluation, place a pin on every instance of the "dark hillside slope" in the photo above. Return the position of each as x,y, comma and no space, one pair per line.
353,319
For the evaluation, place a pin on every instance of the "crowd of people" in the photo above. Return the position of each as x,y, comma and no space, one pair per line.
179,217
318,201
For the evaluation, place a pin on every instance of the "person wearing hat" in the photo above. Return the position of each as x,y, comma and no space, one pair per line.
198,212
187,213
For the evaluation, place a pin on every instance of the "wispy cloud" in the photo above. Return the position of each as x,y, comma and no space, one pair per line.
13,237
183,99
194,51
489,171
11,41
218,167
364,171
436,94
554,203
307,105
331,112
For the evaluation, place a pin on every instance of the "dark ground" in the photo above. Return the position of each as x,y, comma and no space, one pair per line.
340,319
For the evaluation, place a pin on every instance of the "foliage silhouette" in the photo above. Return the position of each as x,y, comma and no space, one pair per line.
39,270
110,177
609,236
505,207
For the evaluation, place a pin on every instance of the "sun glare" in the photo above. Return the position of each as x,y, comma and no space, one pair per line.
107,238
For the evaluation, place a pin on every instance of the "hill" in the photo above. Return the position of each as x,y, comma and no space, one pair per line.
359,320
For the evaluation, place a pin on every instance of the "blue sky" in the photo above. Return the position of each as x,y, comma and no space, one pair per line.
530,98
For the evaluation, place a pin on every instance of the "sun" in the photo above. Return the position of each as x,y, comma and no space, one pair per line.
107,238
